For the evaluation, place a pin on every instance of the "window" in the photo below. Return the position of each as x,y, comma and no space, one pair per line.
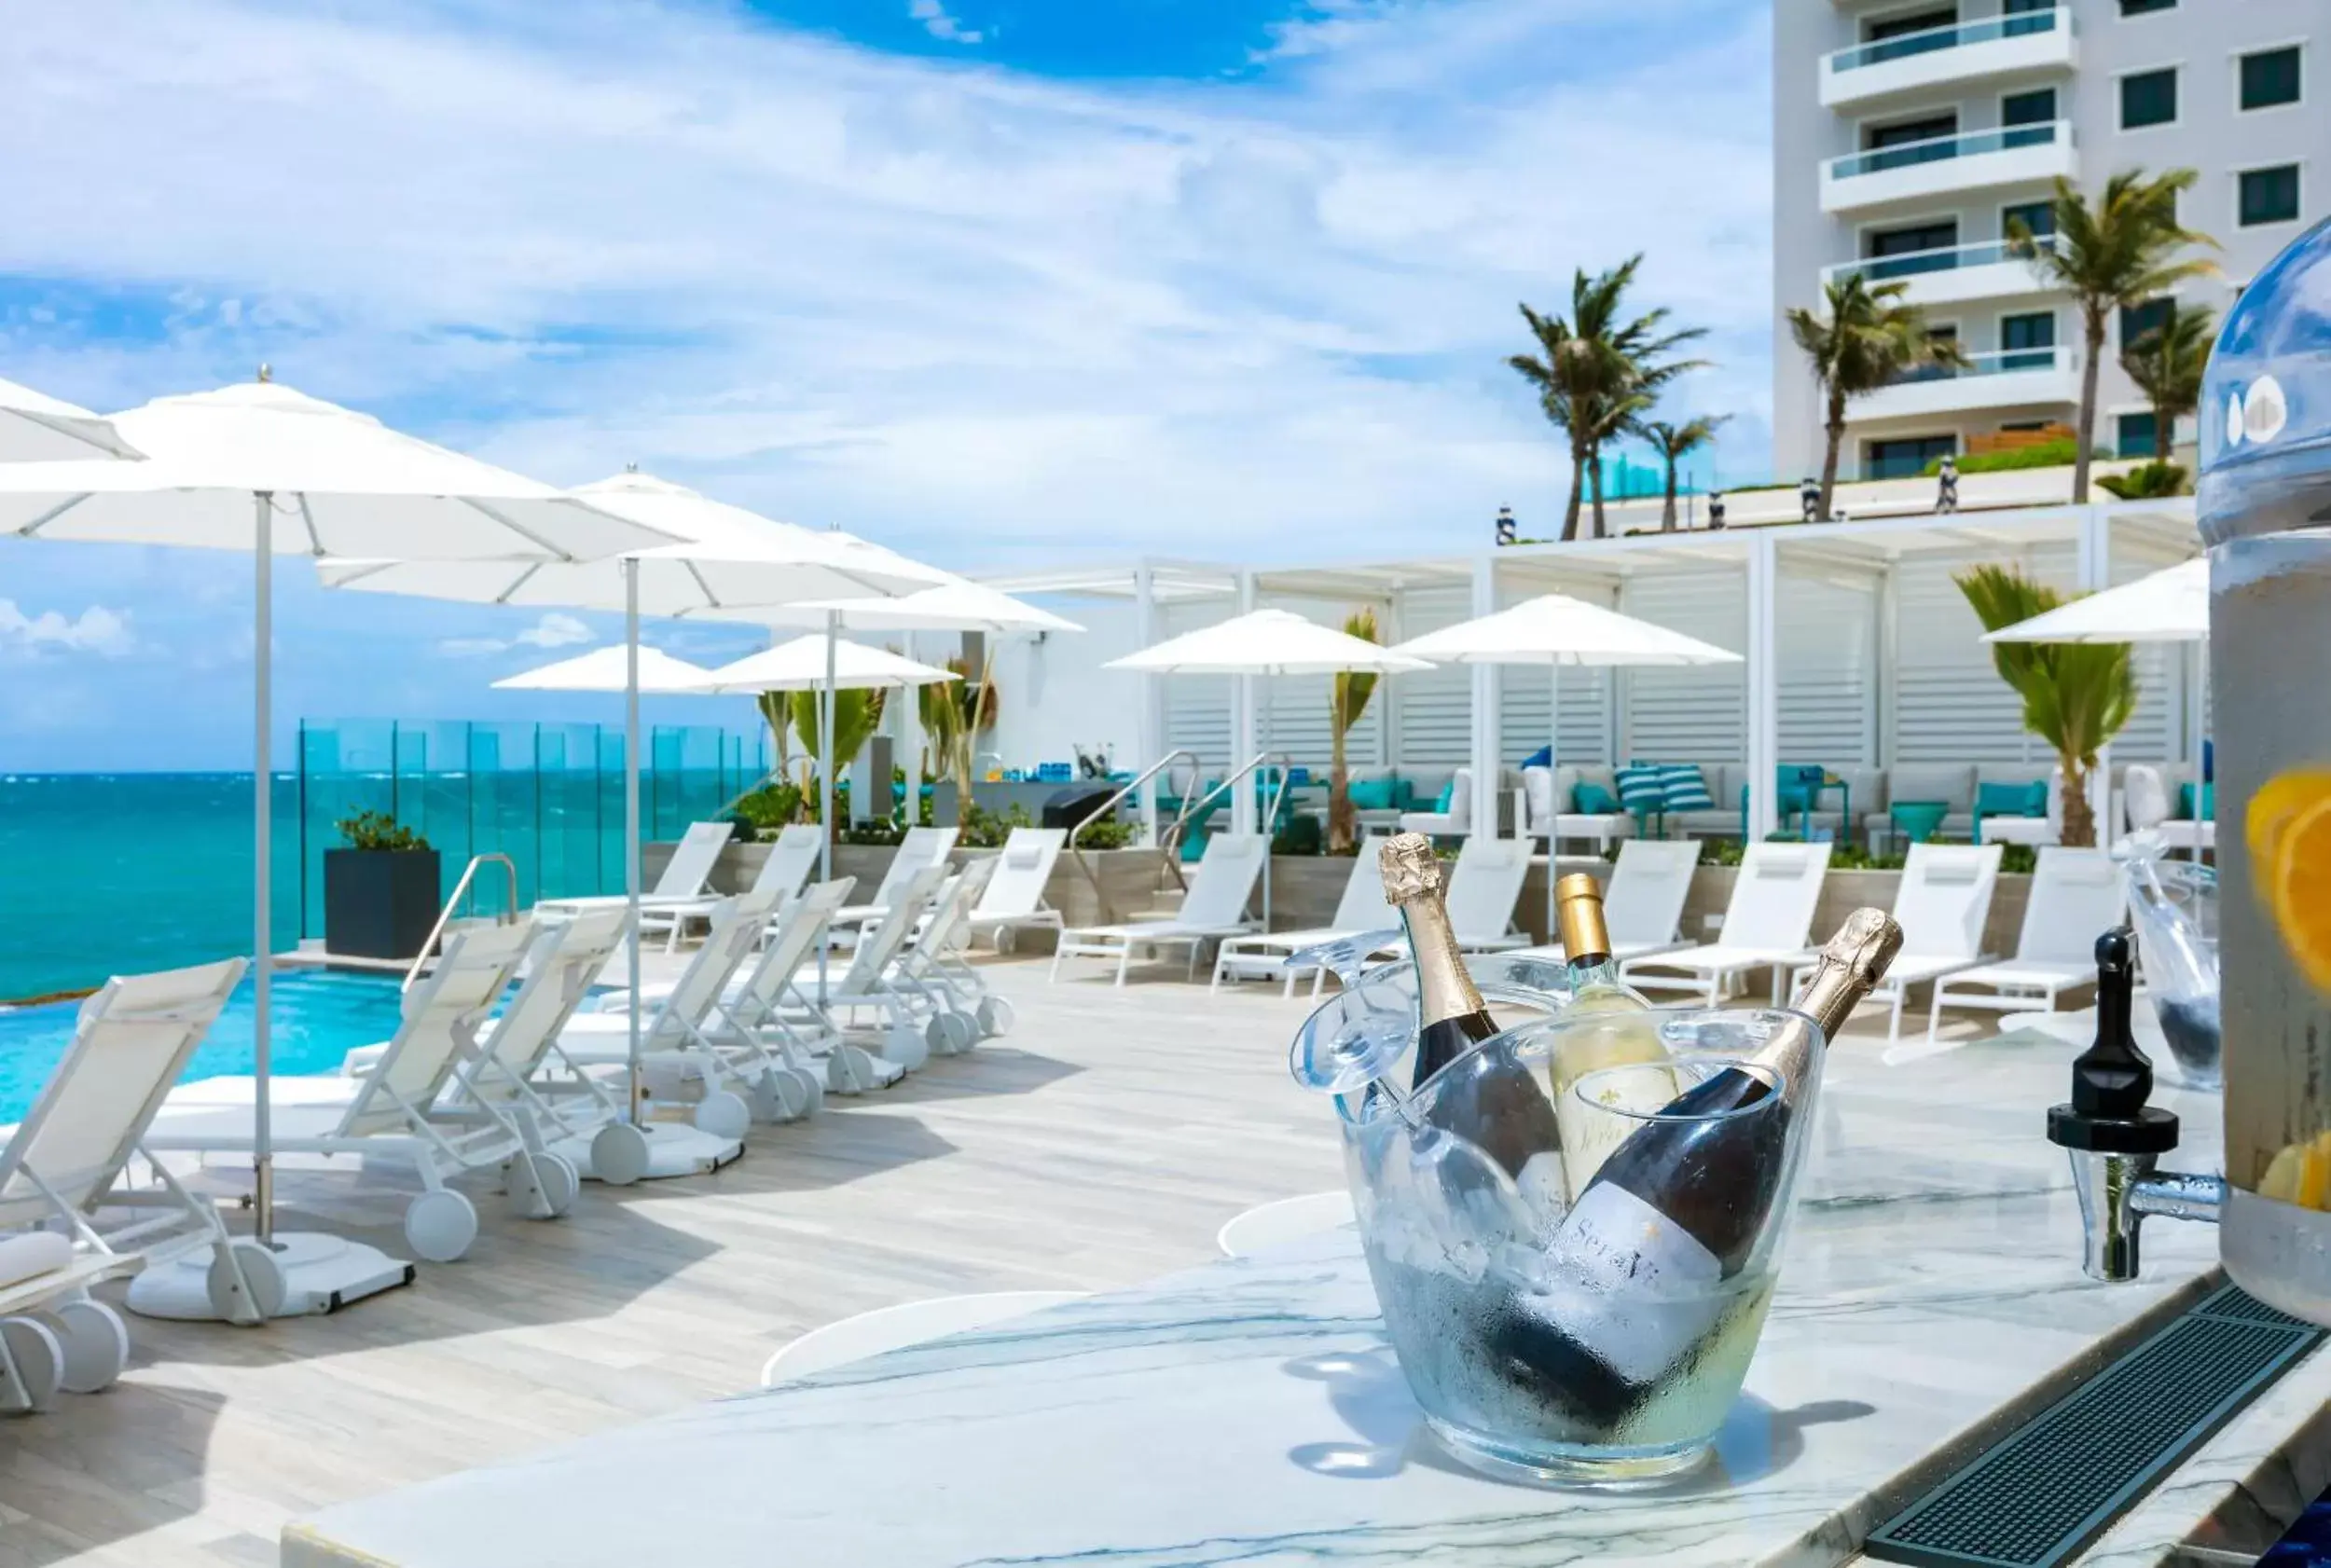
2037,107
2038,219
2268,196
1907,458
2148,98
2133,434
1921,22
2270,79
1914,243
2138,320
2025,17
2146,7
2027,342
1907,142
1930,371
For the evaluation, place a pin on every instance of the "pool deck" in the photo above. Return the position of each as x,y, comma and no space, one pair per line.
1099,1145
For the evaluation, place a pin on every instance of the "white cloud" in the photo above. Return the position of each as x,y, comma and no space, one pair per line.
554,631
968,312
95,630
939,24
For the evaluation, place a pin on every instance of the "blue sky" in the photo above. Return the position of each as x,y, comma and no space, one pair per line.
994,282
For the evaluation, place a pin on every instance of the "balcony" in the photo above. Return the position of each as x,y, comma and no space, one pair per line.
1992,269
1915,170
2017,378
2025,43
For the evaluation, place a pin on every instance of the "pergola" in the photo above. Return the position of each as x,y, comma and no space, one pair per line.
1827,617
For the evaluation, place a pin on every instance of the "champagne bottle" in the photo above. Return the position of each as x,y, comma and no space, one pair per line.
1609,1026
1499,1107
1677,1208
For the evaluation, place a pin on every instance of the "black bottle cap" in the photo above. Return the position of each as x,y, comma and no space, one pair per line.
2112,1080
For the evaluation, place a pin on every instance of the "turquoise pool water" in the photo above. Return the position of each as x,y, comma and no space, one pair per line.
316,1017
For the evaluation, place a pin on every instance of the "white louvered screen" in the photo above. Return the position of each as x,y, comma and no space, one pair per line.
1197,707
1692,713
1436,722
1826,648
1950,704
2151,734
1585,713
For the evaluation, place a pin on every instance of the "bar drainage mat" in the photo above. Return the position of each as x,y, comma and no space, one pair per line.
2045,1490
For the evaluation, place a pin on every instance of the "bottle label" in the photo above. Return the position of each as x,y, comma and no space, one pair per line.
1650,1289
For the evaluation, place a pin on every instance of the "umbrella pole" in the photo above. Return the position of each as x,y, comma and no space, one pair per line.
825,776
262,846
1554,801
631,825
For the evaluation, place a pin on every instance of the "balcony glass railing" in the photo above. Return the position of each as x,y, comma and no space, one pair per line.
2020,24
2000,364
1912,264
1971,144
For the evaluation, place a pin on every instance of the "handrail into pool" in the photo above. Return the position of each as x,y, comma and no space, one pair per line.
445,916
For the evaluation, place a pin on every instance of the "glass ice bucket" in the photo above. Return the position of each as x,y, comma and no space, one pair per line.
1598,1337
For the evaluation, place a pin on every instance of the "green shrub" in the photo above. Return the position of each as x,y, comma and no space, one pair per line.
982,829
1110,833
2151,482
2059,453
379,830
1301,836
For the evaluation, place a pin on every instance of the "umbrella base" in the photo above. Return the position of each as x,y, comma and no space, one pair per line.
312,1273
620,1154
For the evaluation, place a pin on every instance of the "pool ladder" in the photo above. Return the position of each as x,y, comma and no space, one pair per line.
462,889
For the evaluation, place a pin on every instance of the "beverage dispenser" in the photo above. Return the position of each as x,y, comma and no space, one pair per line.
2265,512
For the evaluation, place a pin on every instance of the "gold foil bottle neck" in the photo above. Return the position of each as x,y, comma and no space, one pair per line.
1410,870
1852,962
1579,914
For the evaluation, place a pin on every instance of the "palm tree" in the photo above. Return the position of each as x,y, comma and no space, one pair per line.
1595,372
953,713
1674,442
857,715
2113,255
2076,695
1868,338
2166,362
1346,702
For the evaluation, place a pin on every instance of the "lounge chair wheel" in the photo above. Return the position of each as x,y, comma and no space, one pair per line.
619,1154
906,1045
441,1225
245,1281
844,1074
779,1096
996,1016
1006,939
543,1186
38,1361
811,1085
96,1345
950,1034
724,1114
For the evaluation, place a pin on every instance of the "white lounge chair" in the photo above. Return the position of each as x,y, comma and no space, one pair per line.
63,1181
933,964
870,981
921,847
679,891
1014,898
2077,896
681,1062
792,856
1766,926
1363,908
389,1113
750,1017
1942,905
1483,890
1643,903
1214,908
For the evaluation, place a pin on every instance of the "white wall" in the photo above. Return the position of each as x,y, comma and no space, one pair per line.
1053,694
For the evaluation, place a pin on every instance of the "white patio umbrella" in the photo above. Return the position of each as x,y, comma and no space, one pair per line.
222,468
2172,605
805,664
1267,642
37,428
1553,630
612,669
708,557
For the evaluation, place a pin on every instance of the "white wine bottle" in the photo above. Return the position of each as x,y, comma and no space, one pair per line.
1498,1106
1608,1025
1674,1215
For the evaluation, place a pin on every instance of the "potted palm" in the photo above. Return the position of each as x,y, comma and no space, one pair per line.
2076,695
380,893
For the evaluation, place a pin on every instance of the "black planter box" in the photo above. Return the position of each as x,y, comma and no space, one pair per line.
378,903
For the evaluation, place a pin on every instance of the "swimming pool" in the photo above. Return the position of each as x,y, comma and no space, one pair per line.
317,1016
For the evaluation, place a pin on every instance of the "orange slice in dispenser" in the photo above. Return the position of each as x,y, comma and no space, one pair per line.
2288,827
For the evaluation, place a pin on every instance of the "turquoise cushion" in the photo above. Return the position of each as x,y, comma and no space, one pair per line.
2011,800
1370,794
1593,800
1682,789
2209,801
1641,789
1448,794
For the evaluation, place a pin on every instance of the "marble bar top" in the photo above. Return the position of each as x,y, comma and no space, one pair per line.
1251,1412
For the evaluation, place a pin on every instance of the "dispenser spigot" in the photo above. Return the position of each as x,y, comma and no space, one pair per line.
2113,1137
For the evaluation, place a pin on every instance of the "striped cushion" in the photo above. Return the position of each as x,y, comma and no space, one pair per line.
1682,788
1641,790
